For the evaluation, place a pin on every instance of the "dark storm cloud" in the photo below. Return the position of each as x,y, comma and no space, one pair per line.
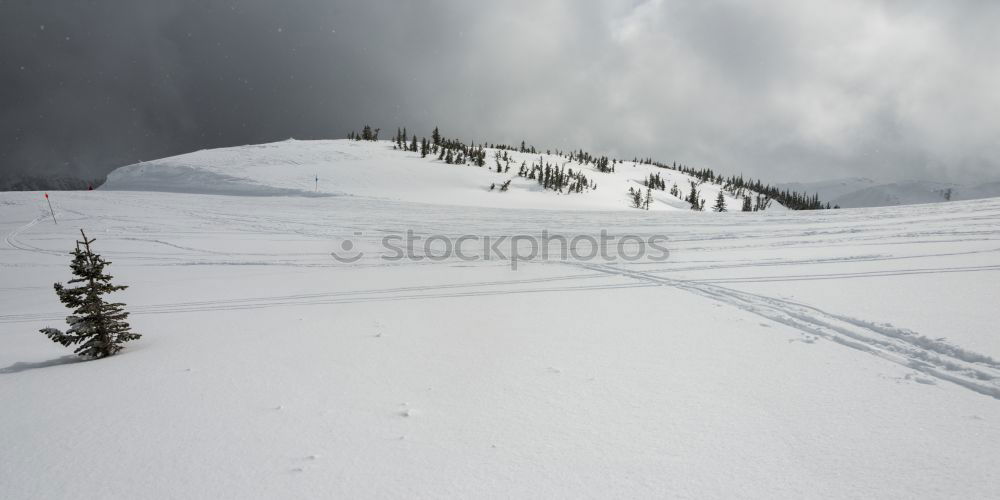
782,89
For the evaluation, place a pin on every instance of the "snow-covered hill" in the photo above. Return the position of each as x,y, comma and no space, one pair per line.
835,353
375,170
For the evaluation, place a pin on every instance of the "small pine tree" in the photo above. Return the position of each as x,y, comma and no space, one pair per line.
636,197
693,197
99,325
761,203
720,203
649,198
747,207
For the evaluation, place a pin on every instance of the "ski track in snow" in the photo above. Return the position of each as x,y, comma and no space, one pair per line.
12,238
355,296
944,361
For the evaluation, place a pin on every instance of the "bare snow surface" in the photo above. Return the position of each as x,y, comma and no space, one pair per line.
849,353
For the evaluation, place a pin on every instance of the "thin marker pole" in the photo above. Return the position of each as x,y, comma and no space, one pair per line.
53,212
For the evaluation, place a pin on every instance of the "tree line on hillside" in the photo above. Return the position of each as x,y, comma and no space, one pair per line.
46,183
558,178
741,187
755,194
752,202
549,176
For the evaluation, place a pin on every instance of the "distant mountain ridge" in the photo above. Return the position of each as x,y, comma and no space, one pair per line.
856,192
48,183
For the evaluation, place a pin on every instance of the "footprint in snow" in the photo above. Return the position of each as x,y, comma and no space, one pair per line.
805,340
920,379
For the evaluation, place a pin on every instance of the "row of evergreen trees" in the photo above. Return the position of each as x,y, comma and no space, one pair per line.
367,134
556,178
753,200
755,194
693,197
455,152
638,200
750,204
655,181
740,187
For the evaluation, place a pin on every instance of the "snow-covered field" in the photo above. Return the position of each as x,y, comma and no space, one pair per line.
849,353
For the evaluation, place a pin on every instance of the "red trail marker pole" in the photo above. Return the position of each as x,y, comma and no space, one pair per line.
53,212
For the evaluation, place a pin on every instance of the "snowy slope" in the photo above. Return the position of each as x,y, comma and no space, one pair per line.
848,353
375,170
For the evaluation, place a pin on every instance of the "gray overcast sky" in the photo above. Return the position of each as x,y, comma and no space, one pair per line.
779,89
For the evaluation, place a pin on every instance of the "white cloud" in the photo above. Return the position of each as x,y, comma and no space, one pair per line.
781,89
